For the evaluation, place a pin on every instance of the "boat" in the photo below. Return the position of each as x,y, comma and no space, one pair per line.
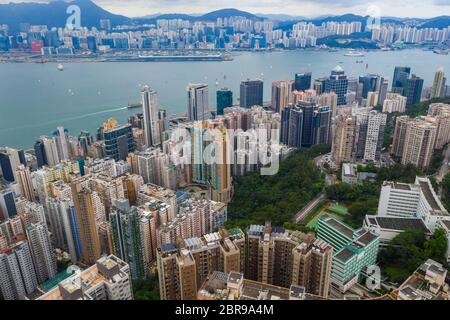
354,54
132,105
60,67
439,51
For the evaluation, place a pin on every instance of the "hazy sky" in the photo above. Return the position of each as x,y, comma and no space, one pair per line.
399,8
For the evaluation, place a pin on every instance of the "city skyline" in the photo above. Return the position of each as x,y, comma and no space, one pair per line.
293,8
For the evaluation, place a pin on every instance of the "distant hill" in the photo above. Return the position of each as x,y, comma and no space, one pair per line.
53,14
225,13
438,22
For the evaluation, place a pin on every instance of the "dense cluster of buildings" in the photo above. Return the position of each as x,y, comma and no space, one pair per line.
233,32
154,191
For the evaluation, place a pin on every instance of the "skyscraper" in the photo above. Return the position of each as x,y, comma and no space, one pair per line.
437,91
224,100
303,81
251,93
42,251
414,89
198,102
177,273
150,112
17,273
39,151
375,136
61,138
344,137
291,126
322,125
399,81
384,84
126,236
370,83
308,124
118,141
418,137
9,161
8,207
369,135
84,203
51,152
338,83
25,182
281,94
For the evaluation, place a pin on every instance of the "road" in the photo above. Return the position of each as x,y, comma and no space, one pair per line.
308,208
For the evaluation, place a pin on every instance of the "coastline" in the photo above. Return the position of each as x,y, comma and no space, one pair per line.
174,56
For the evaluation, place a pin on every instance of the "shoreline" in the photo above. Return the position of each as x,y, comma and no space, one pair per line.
28,58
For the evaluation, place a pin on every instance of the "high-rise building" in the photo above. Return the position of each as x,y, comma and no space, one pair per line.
415,200
25,182
383,90
302,81
291,126
251,93
322,125
61,138
42,251
8,207
353,250
438,88
108,279
281,94
126,236
64,227
369,135
394,102
39,151
338,83
308,124
224,100
118,140
370,83
281,257
17,274
152,136
414,87
398,143
321,85
198,102
399,81
9,161
375,136
85,207
441,112
419,141
51,151
344,138
177,273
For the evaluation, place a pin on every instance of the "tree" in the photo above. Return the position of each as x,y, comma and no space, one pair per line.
409,250
279,197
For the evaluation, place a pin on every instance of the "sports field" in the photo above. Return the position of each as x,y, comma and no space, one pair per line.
334,210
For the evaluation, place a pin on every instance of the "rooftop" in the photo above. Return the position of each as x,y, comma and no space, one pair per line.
392,223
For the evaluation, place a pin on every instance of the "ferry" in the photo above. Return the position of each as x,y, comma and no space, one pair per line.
354,54
60,67
132,105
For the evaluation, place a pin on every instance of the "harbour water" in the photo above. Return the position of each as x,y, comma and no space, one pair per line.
36,98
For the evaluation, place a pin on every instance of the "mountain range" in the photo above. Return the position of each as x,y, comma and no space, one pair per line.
53,14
